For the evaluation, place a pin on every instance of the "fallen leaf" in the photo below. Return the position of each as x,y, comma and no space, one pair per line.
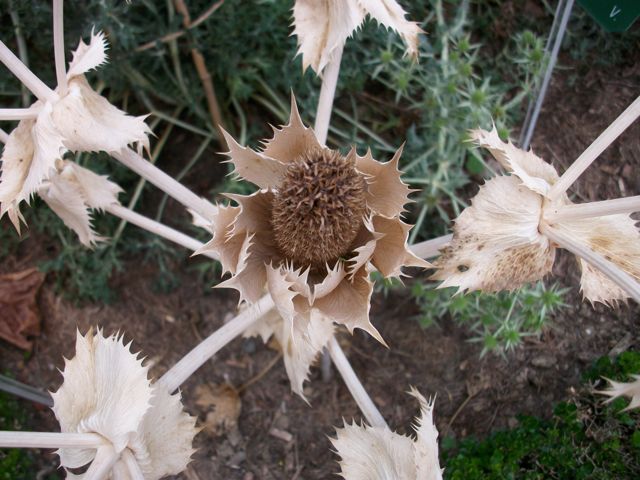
19,315
222,406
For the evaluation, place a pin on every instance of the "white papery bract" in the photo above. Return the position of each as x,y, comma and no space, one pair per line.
78,120
497,244
377,453
323,26
72,192
106,390
630,390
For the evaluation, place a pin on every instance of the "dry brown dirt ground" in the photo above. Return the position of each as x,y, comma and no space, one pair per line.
278,436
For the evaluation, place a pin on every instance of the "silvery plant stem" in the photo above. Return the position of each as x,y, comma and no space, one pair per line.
611,270
166,183
327,94
593,209
26,76
206,349
102,464
157,228
135,473
11,114
430,248
357,390
58,46
4,136
50,440
605,139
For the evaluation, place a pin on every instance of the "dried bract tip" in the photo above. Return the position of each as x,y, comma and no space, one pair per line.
621,389
319,208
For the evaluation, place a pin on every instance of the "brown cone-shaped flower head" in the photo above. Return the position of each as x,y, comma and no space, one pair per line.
312,234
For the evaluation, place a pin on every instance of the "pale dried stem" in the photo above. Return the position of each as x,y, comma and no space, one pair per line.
594,209
430,248
23,53
157,228
120,471
166,183
26,76
611,270
50,440
203,73
11,114
605,139
173,35
132,465
197,357
102,464
4,136
327,94
359,394
58,46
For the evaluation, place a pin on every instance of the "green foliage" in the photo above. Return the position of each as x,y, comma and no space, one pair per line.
585,440
499,322
15,464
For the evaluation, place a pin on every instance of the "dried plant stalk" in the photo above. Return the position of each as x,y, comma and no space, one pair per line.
327,94
50,440
430,248
594,209
26,76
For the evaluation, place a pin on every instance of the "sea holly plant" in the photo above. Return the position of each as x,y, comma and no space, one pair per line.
319,225
112,417
509,235
630,390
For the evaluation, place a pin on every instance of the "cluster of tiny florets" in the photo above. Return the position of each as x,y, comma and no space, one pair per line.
319,207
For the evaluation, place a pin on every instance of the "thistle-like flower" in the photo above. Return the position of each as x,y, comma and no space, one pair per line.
323,26
377,453
106,390
502,240
623,389
73,117
318,226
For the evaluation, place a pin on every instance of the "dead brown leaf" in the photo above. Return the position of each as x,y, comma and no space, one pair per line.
221,404
19,315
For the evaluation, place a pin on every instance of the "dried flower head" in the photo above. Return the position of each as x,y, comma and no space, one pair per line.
621,389
320,223
377,453
106,390
323,26
499,244
77,119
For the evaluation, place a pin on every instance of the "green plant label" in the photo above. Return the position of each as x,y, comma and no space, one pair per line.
613,15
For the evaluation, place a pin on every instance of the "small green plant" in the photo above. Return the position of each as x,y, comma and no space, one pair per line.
584,440
499,322
14,464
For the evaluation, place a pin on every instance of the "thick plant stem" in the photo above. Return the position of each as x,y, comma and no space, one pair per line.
594,209
359,394
605,139
166,183
50,440
327,94
26,76
11,114
430,248
157,228
102,464
197,357
132,465
58,46
611,270
120,471
4,136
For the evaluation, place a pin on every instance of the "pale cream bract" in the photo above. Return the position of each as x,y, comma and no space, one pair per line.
106,390
323,26
72,192
78,120
377,453
623,389
497,244
310,296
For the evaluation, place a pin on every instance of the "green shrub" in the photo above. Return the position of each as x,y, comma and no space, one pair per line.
584,440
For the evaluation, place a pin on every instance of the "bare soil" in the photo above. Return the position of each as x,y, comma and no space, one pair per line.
278,435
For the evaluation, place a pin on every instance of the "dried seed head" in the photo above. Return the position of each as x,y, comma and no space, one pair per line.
319,207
